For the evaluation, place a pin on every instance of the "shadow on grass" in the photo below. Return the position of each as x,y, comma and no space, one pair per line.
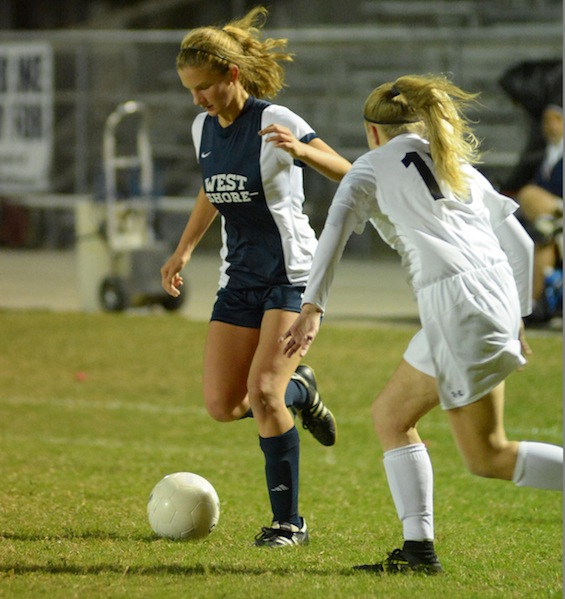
15,569
160,570
71,535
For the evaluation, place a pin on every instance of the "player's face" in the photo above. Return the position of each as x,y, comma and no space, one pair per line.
212,90
552,125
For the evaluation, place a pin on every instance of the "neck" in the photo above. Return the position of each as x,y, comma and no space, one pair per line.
233,110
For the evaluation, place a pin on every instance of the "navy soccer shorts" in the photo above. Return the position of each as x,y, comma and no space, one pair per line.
245,307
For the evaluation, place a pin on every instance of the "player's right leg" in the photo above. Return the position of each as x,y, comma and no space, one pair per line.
228,355
408,396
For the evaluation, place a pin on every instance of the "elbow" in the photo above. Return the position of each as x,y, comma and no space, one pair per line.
338,172
345,168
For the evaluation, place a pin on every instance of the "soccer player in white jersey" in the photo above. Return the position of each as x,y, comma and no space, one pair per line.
470,265
252,154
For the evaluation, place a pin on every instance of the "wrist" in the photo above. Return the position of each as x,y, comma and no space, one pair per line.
300,151
308,308
183,255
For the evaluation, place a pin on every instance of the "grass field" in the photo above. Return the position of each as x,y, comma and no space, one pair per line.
95,409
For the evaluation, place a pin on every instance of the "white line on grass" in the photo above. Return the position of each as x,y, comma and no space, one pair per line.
114,405
553,432
152,446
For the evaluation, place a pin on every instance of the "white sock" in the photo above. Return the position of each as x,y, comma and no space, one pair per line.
539,465
411,481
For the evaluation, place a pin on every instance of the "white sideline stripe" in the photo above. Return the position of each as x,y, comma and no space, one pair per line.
516,433
88,404
102,442
155,408
106,443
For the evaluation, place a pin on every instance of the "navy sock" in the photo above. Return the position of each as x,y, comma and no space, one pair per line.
281,468
295,394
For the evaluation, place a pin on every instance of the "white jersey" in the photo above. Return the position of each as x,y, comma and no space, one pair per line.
469,262
436,234
258,190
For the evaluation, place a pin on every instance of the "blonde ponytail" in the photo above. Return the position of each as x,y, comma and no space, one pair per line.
239,42
433,107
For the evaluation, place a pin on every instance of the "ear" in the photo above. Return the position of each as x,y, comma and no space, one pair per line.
374,133
233,73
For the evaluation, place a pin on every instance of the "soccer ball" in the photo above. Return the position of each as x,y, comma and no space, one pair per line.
183,505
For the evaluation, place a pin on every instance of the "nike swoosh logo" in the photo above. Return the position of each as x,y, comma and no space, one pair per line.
205,154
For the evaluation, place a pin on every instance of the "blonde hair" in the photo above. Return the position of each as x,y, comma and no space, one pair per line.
432,107
239,42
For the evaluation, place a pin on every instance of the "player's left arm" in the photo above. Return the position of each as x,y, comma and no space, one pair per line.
352,206
519,248
315,153
323,158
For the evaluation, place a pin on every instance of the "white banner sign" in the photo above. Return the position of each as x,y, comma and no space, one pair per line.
26,116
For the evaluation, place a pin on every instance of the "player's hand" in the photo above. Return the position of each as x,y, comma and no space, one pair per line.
171,280
526,349
282,138
303,331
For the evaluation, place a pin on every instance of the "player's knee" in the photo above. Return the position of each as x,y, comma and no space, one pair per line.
482,469
262,395
488,465
219,414
384,419
220,410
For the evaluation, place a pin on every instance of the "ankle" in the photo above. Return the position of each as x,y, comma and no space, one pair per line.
424,550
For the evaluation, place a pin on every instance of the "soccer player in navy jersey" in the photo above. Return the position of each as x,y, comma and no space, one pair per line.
470,265
252,154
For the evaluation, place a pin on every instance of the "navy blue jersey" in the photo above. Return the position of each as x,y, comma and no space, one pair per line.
551,181
258,190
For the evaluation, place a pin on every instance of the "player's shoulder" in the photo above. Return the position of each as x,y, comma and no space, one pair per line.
362,172
278,109
484,192
407,142
198,122
390,157
277,113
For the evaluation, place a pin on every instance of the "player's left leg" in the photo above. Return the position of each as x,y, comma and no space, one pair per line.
302,394
268,379
269,375
479,432
408,395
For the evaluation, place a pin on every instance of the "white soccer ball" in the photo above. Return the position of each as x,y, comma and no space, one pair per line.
183,505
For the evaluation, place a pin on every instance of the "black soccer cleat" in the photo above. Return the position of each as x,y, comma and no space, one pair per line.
315,417
403,562
282,535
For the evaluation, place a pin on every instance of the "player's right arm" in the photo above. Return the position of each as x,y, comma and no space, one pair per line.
200,220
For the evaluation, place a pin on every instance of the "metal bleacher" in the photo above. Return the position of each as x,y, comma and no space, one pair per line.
335,67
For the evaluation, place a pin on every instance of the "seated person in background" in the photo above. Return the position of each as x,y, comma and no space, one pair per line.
541,207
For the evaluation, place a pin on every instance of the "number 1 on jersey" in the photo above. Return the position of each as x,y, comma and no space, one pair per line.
424,171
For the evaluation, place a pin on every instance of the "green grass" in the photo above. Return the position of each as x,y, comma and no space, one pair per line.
79,458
